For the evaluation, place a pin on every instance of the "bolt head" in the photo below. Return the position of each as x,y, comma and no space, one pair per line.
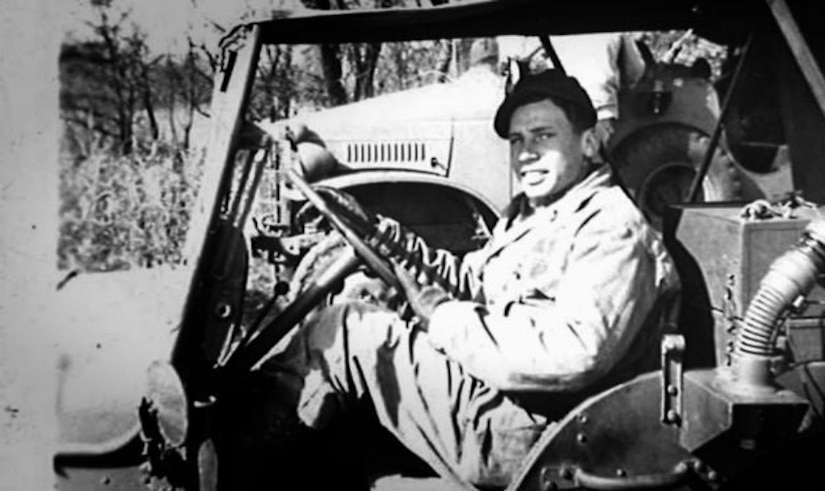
223,310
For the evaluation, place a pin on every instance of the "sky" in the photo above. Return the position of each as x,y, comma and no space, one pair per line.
167,21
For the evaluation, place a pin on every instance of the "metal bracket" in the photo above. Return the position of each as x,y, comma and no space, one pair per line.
230,43
729,312
162,459
673,349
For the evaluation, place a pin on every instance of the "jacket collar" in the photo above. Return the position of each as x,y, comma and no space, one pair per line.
519,218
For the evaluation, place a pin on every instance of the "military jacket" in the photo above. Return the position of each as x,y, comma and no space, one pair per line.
560,294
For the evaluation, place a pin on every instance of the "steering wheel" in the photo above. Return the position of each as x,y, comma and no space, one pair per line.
253,350
375,261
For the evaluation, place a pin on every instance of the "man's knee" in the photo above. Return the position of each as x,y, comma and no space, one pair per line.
359,325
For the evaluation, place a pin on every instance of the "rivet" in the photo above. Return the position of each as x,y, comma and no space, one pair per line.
672,416
713,476
672,390
621,472
105,480
581,438
223,310
582,419
566,473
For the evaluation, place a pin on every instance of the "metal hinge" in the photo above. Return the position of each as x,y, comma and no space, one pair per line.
673,349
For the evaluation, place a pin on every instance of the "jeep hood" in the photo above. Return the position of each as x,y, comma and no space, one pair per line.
113,326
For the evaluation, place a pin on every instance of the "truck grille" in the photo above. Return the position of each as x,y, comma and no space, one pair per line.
386,152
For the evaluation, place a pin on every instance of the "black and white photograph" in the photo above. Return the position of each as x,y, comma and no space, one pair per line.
412,245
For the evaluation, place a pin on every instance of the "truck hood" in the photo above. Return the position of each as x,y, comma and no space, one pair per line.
408,130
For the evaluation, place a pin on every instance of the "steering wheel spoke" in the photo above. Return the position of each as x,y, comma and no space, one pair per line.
371,258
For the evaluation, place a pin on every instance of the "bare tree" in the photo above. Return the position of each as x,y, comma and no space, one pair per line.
357,61
109,80
364,58
444,59
188,86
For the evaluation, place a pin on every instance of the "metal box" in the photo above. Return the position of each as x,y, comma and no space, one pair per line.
721,259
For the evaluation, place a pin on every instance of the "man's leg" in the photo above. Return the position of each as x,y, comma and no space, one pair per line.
462,428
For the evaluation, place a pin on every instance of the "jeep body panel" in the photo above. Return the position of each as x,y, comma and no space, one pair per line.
214,244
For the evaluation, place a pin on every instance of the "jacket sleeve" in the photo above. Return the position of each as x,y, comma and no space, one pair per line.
567,332
429,265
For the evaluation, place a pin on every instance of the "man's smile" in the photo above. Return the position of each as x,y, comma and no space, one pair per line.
533,176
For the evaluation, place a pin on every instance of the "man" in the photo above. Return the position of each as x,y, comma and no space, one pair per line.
562,302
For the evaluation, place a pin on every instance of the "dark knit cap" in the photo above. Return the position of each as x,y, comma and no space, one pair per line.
551,84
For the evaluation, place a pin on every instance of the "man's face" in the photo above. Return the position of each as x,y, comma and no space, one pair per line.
547,155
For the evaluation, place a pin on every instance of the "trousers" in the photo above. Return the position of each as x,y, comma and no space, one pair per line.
467,431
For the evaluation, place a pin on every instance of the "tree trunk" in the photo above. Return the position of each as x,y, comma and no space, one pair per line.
445,55
366,59
150,112
331,63
171,101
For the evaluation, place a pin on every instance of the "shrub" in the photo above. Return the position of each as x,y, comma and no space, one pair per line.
122,211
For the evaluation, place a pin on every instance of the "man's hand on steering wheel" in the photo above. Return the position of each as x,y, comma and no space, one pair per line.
355,224
422,299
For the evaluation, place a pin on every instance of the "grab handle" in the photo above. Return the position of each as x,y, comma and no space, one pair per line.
675,477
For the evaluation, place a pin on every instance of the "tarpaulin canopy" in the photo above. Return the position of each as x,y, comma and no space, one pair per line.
719,21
